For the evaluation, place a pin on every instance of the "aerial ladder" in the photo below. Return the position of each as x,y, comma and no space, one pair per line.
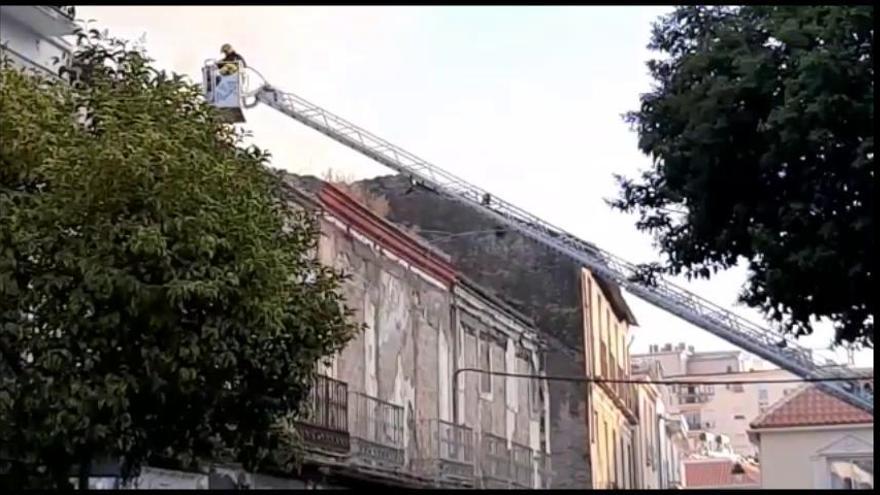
229,94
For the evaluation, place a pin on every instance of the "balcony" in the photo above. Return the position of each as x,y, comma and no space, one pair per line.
523,466
43,20
445,452
323,422
695,394
502,467
376,429
495,461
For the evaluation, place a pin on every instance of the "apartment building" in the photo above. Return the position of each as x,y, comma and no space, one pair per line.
718,411
613,409
397,412
662,433
32,36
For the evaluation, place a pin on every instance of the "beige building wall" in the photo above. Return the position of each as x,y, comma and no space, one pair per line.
800,458
715,362
612,425
729,409
674,363
721,409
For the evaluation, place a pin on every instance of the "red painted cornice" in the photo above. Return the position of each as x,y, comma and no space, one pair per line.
384,233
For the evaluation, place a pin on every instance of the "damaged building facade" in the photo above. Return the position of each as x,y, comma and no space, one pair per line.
405,403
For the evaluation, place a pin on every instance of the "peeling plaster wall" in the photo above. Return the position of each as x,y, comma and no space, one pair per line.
418,332
507,410
396,358
540,282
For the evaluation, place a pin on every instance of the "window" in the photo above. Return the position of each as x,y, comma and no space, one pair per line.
594,427
632,466
535,390
649,444
693,420
603,359
730,369
763,395
589,292
485,364
852,474
614,456
737,388
606,443
739,416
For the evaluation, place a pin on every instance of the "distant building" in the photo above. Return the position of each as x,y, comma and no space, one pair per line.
812,440
31,36
712,410
662,434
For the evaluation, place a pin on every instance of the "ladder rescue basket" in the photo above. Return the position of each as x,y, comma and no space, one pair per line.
223,89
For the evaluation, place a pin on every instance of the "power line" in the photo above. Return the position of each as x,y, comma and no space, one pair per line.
757,372
585,379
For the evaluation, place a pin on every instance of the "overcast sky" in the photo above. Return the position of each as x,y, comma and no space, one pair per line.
525,102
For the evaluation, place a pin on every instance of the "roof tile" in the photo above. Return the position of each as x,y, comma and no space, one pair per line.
811,406
718,473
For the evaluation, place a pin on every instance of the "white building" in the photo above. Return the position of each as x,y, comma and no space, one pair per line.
811,440
32,35
662,441
718,410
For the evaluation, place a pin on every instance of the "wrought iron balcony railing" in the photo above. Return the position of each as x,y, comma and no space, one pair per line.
522,461
495,461
445,451
376,428
503,467
323,422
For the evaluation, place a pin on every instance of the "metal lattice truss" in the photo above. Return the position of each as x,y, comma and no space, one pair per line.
774,346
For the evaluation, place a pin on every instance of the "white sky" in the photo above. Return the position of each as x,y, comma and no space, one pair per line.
525,102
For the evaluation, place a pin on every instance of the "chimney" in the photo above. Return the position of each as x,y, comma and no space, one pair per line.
680,346
667,347
691,348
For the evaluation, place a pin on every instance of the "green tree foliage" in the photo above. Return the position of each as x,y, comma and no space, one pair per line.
761,129
157,299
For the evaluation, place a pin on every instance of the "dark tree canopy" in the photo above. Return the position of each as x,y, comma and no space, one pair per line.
157,299
761,129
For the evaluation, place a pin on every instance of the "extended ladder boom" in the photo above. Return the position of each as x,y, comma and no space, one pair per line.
775,347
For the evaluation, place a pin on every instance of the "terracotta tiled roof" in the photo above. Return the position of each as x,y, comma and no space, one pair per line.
810,406
704,473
